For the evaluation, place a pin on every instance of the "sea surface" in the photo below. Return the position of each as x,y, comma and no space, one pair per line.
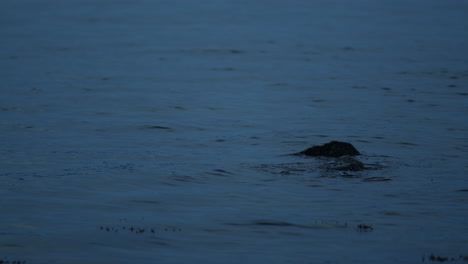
160,131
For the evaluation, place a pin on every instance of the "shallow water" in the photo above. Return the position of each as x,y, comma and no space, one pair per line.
158,131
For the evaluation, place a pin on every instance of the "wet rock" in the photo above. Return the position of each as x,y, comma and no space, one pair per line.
333,159
331,149
342,151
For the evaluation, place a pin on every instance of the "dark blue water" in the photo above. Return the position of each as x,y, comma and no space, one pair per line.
156,131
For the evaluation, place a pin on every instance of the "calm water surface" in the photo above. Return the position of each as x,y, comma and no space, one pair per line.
157,131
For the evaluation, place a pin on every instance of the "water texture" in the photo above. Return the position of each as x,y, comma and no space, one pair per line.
159,131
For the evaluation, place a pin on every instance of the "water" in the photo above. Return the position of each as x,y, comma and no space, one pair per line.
157,131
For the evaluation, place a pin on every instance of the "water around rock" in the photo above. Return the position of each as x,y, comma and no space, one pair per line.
347,163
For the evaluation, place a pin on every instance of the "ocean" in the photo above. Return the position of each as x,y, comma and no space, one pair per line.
161,131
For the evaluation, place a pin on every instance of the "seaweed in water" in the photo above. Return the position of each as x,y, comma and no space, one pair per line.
137,229
4,261
435,258
364,228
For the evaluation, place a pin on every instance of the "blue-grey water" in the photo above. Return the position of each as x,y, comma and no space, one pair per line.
157,131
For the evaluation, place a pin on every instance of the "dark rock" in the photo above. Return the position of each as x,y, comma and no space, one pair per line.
331,149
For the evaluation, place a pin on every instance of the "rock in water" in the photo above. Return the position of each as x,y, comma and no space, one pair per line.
332,149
